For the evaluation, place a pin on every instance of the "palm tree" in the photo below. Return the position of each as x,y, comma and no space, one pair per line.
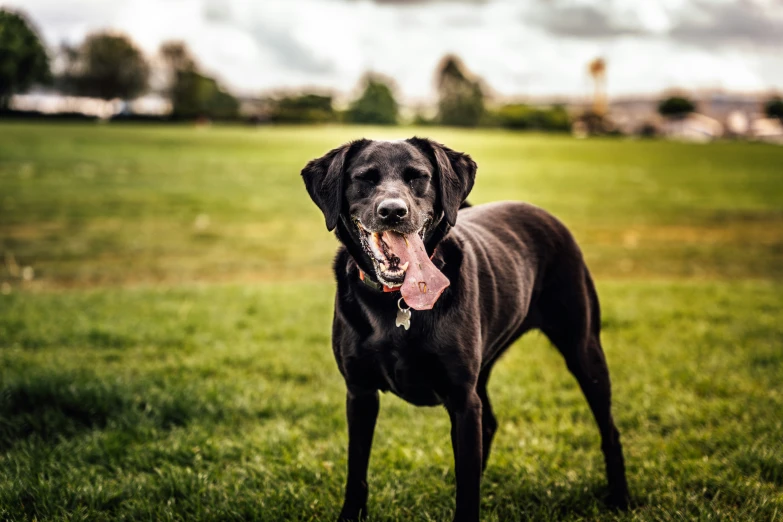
597,70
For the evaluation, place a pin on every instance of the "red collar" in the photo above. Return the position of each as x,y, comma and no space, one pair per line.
376,285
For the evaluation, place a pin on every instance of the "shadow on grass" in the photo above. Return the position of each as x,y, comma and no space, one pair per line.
56,405
546,501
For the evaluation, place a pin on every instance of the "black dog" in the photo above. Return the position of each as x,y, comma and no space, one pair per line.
509,267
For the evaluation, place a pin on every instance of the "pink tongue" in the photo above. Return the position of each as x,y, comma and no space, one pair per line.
423,282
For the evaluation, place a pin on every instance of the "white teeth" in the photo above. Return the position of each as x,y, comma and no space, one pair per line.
397,272
375,246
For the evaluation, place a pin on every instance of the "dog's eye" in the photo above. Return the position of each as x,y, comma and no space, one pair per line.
369,176
411,175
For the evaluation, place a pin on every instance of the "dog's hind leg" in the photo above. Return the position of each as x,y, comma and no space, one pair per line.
489,423
589,367
572,322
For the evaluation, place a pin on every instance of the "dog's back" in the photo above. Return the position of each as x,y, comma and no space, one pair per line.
511,252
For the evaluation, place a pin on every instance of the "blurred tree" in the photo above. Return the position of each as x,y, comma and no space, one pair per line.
422,120
23,58
461,100
176,56
521,116
106,66
304,108
676,106
774,108
221,104
376,105
196,95
192,93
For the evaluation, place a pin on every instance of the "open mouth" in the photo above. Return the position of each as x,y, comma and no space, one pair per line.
389,268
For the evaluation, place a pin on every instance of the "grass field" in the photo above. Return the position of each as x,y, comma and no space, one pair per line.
164,332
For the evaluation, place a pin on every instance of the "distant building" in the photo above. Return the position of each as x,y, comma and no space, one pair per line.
721,105
53,103
767,129
737,123
632,115
733,111
692,127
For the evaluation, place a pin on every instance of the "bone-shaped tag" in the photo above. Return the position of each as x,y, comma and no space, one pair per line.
403,315
403,318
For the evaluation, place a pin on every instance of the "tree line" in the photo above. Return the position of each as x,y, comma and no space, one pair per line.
462,102
109,66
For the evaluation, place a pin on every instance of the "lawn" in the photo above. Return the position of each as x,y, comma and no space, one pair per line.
164,332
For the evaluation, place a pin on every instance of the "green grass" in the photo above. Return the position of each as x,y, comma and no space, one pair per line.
88,205
155,369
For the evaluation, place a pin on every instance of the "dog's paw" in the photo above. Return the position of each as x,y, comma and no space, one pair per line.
458,518
353,514
618,500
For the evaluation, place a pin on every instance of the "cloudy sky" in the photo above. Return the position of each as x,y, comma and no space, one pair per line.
520,47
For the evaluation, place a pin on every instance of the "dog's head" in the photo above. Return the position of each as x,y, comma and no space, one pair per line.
376,192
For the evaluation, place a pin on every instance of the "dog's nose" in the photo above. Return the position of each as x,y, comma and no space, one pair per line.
393,209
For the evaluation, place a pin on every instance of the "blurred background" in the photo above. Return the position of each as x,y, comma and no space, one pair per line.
679,70
165,281
591,66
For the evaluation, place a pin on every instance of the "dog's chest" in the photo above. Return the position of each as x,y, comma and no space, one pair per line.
408,370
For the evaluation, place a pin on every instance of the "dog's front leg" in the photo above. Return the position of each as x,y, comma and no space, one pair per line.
465,413
362,411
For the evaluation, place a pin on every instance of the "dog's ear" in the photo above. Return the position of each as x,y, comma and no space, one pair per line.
456,172
323,178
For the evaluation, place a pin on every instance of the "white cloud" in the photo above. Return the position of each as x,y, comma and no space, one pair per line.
536,48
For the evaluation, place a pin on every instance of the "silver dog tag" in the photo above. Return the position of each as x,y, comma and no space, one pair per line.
403,316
